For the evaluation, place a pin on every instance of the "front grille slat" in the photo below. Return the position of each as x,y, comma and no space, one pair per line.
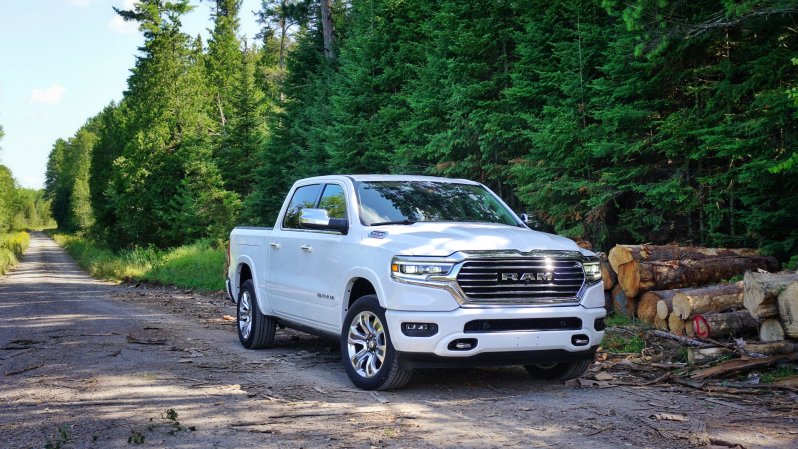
521,281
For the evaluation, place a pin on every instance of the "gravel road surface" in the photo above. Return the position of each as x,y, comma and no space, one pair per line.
85,363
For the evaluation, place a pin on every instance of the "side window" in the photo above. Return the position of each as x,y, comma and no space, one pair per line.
333,201
304,197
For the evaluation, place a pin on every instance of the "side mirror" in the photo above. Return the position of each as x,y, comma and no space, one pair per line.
319,220
529,221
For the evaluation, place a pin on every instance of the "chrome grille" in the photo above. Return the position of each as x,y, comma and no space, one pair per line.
521,280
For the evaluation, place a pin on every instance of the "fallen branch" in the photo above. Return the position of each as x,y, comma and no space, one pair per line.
24,370
680,339
735,366
141,341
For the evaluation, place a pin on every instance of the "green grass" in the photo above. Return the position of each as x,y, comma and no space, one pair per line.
623,343
781,372
12,247
196,266
620,321
623,336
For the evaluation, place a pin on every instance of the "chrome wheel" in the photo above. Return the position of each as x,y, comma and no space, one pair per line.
367,344
245,314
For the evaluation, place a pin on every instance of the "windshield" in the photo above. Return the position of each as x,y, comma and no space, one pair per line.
408,202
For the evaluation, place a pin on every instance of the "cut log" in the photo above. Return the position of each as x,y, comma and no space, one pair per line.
665,304
714,298
788,309
776,347
637,277
675,324
771,330
647,306
737,365
703,355
688,329
622,254
622,305
762,291
608,275
661,324
660,310
724,324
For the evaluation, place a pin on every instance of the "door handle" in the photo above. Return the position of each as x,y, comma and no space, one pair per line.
305,248
274,245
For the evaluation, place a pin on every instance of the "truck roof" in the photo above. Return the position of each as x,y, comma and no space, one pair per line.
378,177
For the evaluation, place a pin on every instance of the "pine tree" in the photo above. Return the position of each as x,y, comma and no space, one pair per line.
168,152
224,58
246,132
296,147
551,115
369,108
457,127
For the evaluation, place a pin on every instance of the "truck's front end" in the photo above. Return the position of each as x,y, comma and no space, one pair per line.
469,284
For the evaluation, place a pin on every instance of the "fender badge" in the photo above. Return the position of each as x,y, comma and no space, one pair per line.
378,234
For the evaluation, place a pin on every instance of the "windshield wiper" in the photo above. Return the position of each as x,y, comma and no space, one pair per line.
396,222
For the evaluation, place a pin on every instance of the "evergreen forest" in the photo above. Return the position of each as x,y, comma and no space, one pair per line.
613,121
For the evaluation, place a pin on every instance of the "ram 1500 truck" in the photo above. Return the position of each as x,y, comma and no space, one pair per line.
411,272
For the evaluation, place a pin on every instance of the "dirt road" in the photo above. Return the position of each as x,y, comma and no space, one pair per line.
88,364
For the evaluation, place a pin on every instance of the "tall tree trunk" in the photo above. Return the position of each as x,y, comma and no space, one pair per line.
281,59
327,28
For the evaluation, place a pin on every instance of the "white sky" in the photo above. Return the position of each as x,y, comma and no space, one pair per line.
61,62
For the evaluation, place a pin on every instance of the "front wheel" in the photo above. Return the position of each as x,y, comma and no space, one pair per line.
559,371
366,349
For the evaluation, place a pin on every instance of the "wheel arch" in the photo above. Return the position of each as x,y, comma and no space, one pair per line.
361,283
243,273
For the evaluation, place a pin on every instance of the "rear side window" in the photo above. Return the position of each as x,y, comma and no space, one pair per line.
304,197
333,201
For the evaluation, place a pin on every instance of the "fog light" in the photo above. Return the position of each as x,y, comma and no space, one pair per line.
599,324
580,340
419,329
463,344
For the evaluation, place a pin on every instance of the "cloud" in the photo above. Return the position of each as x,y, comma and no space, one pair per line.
51,95
79,3
118,25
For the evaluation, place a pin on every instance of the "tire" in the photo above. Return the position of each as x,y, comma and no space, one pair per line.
255,330
559,371
366,349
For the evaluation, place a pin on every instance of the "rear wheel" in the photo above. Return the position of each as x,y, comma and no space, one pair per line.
255,330
559,370
366,349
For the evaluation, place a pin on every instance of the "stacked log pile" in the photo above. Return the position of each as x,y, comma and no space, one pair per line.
680,289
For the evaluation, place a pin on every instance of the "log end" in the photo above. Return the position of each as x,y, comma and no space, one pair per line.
618,256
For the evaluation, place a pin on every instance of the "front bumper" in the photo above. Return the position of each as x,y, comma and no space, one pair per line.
451,327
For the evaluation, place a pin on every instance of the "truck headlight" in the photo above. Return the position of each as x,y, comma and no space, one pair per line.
416,268
592,272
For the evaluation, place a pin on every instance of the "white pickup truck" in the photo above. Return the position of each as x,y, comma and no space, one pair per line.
412,272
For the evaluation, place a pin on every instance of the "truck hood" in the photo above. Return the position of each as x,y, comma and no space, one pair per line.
443,239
